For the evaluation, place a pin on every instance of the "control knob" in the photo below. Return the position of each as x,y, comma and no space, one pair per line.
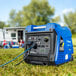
46,39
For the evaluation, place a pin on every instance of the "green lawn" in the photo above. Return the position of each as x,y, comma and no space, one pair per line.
73,35
24,69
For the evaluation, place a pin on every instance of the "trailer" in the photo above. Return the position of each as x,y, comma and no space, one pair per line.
14,33
1,35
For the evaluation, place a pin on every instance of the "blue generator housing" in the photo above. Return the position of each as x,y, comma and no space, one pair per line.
53,44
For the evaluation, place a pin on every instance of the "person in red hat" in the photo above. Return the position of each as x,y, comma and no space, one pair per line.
21,42
4,43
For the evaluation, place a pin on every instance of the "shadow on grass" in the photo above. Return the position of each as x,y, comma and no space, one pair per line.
74,45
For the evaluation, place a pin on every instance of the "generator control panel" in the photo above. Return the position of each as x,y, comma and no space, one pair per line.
45,45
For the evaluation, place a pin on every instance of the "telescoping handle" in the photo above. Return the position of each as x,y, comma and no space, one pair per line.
39,27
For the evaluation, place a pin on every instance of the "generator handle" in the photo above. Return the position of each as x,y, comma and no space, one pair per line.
39,27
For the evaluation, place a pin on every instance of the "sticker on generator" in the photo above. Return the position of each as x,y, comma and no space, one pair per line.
66,56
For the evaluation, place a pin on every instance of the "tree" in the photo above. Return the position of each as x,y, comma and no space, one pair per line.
38,12
2,24
70,20
12,18
18,19
56,19
7,25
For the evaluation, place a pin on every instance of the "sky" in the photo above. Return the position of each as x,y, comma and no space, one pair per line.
61,7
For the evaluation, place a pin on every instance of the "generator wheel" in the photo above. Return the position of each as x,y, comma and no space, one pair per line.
71,58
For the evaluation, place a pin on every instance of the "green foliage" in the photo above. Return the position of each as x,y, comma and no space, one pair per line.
12,18
6,25
38,12
2,24
70,20
18,19
56,19
24,69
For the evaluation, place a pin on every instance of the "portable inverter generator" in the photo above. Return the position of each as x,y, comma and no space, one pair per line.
52,44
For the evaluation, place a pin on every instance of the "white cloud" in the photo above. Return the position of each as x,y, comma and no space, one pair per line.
65,11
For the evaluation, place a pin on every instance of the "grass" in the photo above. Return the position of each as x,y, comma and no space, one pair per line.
24,69
74,36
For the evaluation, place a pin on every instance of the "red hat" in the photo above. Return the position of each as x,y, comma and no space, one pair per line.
4,40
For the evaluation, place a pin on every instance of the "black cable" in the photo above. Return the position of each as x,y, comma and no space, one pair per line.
19,62
34,45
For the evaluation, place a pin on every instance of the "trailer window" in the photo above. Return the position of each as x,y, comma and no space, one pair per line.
61,44
13,34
